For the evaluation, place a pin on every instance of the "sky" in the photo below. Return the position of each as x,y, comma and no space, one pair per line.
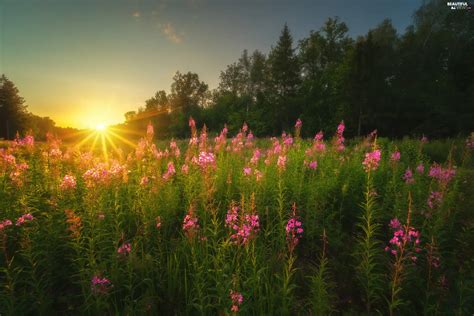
87,62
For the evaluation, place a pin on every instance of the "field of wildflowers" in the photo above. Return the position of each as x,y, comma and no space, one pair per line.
281,226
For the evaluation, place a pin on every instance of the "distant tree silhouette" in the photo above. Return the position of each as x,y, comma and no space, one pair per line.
13,114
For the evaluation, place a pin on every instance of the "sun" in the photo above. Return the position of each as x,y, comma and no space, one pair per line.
100,128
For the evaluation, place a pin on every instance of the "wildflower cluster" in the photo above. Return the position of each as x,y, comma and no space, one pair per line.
190,224
340,137
435,199
403,236
24,219
100,174
244,226
100,285
395,156
68,183
205,160
443,175
28,141
170,171
5,223
237,300
124,249
371,161
294,230
408,176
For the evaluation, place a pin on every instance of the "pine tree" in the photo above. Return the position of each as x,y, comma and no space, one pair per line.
284,77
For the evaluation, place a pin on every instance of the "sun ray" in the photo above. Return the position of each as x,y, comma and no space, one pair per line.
104,147
126,141
94,142
126,131
84,140
109,139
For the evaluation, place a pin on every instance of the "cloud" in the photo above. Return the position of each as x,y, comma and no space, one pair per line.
170,33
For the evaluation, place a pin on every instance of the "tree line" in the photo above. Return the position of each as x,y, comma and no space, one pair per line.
418,82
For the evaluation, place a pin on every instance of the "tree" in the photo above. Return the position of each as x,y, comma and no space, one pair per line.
188,97
12,109
158,103
322,56
284,79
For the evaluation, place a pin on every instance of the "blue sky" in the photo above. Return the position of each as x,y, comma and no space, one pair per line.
88,62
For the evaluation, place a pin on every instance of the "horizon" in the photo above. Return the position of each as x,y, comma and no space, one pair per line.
90,63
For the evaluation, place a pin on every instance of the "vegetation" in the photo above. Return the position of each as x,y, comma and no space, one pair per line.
242,225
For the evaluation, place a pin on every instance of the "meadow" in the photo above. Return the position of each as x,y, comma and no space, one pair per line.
238,225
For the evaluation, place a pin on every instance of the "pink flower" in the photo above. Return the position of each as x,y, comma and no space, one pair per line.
206,159
250,136
247,171
68,183
395,223
371,161
281,163
395,156
340,128
420,168
170,171
23,219
244,226
256,156
408,176
339,136
237,300
192,123
319,136
313,165
144,181
28,141
185,169
190,224
403,237
158,222
149,131
100,285
299,123
441,174
294,230
434,199
124,249
5,223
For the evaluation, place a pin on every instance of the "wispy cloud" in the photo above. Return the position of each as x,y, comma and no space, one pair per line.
171,34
